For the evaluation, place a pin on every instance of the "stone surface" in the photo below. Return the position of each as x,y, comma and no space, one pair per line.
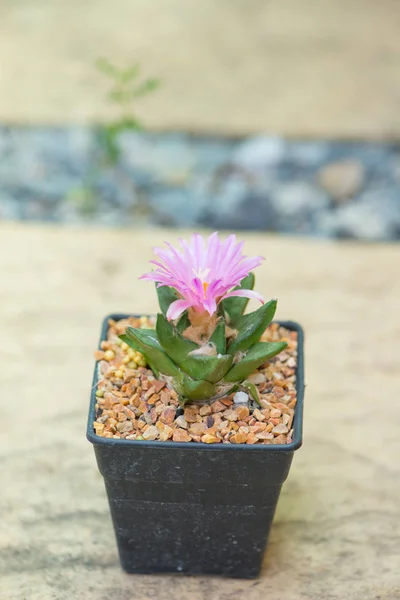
256,183
335,534
342,179
318,68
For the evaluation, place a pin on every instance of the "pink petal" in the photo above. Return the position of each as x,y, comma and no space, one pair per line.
213,244
158,264
177,308
244,294
210,306
162,278
198,288
197,248
215,289
153,276
240,270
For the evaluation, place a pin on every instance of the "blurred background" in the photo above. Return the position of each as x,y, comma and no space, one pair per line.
258,115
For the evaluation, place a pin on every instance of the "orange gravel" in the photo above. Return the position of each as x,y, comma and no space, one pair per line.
132,404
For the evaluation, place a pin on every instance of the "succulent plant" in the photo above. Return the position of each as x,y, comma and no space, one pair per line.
203,344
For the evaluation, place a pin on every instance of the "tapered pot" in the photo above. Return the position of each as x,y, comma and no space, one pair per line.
194,507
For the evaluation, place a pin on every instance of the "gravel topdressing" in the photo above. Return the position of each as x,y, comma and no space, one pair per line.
132,404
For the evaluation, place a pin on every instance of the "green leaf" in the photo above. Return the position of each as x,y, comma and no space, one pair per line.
251,388
119,96
256,356
146,87
251,327
146,342
107,68
234,307
209,368
199,366
193,389
174,344
166,295
130,73
183,323
218,337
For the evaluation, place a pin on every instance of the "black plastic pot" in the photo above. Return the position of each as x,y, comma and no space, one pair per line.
194,507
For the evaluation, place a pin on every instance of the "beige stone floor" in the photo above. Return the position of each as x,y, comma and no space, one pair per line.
336,532
311,68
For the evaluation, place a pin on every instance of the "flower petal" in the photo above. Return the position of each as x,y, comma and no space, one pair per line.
197,249
177,308
244,294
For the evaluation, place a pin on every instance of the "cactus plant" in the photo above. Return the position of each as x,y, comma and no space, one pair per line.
203,344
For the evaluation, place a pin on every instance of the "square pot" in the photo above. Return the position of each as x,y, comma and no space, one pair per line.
194,507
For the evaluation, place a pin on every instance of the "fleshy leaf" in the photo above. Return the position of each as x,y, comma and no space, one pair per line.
198,366
146,342
174,344
218,337
251,388
256,356
234,307
166,295
209,368
183,323
251,327
193,389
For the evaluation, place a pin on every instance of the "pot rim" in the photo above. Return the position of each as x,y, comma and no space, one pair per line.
218,447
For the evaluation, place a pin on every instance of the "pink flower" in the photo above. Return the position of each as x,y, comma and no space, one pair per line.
203,272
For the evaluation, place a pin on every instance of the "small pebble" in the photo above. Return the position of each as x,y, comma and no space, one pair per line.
209,439
281,428
242,412
280,439
258,415
168,415
238,438
256,378
278,392
231,415
210,421
217,406
265,435
165,431
181,422
180,435
275,412
151,433
109,355
197,428
240,398
190,413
